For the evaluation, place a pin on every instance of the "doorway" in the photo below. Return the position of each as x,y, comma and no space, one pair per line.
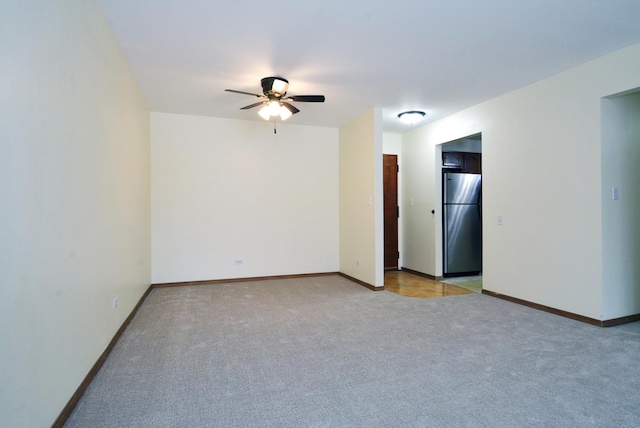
461,172
391,211
620,196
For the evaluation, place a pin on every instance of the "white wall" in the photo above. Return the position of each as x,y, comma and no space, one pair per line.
226,190
361,199
542,171
75,210
392,145
470,145
621,217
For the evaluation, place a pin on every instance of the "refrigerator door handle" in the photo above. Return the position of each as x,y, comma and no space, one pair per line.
480,203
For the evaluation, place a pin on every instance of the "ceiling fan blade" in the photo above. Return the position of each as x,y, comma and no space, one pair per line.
242,92
252,105
308,98
289,107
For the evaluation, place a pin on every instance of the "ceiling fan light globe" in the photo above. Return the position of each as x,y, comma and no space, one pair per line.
274,108
284,113
265,113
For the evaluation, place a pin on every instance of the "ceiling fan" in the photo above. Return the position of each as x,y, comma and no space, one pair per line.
274,98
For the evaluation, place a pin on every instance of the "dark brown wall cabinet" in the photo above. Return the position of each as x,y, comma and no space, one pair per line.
453,160
462,162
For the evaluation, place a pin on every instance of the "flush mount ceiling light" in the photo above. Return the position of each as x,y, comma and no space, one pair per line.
411,117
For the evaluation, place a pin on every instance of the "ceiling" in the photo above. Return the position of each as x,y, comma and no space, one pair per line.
435,56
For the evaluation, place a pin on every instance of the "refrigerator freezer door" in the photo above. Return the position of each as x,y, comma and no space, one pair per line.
462,188
463,239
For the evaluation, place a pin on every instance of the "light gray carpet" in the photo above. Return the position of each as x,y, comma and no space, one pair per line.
325,352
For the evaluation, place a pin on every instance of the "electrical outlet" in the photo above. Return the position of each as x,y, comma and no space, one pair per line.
357,262
238,262
115,303
615,193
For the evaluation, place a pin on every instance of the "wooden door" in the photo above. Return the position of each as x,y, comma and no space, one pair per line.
391,211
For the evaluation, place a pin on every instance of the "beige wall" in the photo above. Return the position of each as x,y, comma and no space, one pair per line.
361,216
225,191
541,171
75,210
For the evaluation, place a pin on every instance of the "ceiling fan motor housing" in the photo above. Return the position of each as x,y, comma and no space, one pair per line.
274,86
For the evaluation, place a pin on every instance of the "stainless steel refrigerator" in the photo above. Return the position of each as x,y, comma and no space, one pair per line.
462,200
